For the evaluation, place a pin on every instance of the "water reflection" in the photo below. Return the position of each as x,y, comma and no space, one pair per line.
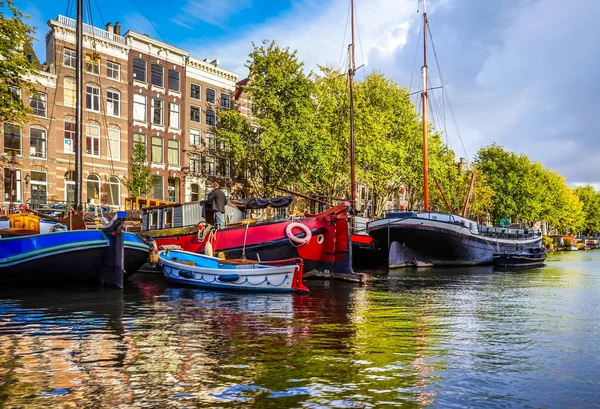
472,337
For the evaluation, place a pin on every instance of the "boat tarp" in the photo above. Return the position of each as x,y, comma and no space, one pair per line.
252,203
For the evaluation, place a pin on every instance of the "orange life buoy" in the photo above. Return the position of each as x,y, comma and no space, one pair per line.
293,237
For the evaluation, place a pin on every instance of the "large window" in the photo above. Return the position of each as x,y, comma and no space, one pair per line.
69,137
12,184
211,96
194,192
69,88
92,140
139,70
139,107
92,97
113,191
93,188
12,139
114,143
157,187
37,103
173,189
211,169
195,113
113,102
139,138
195,137
195,162
37,143
224,167
174,80
113,70
156,75
195,91
39,188
70,186
211,117
211,141
157,111
225,100
173,115
69,58
173,152
92,64
157,149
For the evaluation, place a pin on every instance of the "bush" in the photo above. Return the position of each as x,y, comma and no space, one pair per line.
568,242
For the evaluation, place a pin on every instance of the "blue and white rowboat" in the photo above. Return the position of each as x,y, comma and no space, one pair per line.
210,272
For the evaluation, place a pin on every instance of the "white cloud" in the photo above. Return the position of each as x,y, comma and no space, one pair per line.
209,11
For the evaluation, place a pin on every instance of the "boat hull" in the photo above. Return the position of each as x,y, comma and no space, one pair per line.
429,243
520,259
136,254
211,273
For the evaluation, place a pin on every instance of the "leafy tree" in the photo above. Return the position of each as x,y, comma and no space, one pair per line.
591,208
15,39
139,183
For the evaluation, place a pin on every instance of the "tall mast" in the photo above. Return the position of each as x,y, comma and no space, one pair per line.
78,205
424,103
351,72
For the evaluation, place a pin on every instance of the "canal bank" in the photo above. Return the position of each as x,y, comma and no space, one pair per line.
462,337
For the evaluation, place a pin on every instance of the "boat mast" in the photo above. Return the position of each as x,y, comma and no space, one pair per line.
424,103
78,206
351,71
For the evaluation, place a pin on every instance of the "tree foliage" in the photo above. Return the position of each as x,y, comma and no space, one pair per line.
139,183
15,67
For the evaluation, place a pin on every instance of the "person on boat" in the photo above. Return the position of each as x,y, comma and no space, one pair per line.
218,200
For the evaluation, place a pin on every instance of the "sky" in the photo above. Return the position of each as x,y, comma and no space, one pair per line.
520,73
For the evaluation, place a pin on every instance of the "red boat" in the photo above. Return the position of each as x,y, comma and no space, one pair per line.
321,240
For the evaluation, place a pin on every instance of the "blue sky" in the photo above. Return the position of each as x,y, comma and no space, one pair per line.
522,73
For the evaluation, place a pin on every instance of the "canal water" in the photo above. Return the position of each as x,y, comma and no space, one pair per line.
438,338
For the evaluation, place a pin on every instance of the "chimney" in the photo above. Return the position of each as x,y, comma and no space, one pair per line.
117,28
109,27
215,62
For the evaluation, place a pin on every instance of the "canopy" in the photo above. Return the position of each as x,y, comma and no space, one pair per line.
260,203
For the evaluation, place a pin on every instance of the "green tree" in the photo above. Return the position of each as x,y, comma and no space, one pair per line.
139,183
15,40
591,208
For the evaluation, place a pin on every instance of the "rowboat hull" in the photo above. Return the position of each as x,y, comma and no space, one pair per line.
136,254
209,272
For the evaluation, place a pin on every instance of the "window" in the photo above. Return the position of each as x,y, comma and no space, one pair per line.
174,80
15,93
39,188
139,138
92,97
173,152
157,187
194,192
224,167
210,166
12,139
157,111
195,162
92,140
225,100
195,114
211,142
195,137
195,91
113,102
173,189
156,75
69,140
174,115
157,149
113,70
70,186
69,58
12,185
211,118
113,191
92,64
37,143
69,88
139,107
211,95
223,146
93,188
37,103
114,143
139,70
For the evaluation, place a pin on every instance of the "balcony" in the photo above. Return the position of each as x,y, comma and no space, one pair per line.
95,31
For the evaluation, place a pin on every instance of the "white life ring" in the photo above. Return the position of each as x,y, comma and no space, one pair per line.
293,237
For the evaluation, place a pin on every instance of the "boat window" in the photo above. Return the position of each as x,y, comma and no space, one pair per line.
153,219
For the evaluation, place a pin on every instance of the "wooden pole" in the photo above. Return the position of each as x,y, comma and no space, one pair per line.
444,196
464,212
424,103
351,71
